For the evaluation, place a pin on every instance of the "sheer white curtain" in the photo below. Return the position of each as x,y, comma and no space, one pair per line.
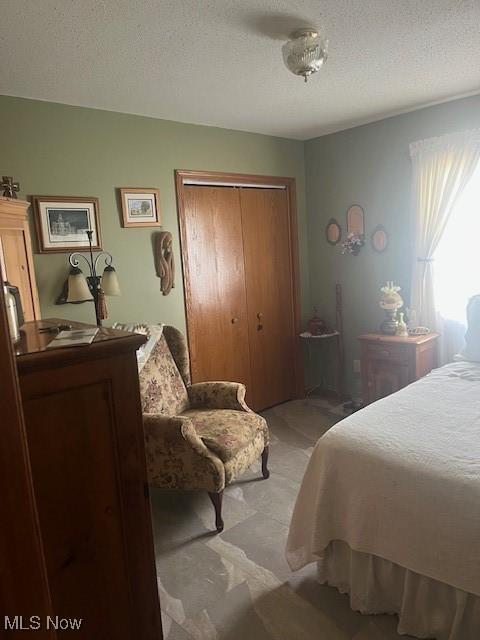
457,266
442,168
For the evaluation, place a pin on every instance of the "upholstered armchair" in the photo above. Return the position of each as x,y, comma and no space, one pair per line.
198,436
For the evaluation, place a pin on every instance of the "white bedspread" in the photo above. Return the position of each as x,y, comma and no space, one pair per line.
401,480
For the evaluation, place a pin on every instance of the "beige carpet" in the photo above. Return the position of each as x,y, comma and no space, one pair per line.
237,585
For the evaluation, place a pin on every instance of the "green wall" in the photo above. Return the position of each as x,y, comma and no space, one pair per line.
55,149
370,166
61,150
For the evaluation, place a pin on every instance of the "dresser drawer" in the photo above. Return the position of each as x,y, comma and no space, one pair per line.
390,363
390,353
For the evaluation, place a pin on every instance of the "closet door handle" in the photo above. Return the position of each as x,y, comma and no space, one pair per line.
235,320
260,323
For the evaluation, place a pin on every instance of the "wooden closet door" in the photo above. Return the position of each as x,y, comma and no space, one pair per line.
215,284
267,246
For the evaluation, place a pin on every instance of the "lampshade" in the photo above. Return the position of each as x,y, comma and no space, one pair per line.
78,290
110,284
391,299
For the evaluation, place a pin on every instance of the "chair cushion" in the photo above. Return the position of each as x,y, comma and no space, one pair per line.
226,431
161,385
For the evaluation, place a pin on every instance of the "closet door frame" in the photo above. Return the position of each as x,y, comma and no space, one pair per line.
217,178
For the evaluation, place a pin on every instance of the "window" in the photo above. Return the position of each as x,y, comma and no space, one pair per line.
457,259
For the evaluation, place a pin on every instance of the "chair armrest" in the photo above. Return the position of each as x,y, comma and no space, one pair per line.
177,458
218,395
173,432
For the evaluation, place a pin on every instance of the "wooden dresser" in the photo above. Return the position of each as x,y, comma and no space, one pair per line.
389,363
85,438
16,257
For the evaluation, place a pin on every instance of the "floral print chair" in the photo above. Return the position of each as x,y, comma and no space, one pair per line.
198,436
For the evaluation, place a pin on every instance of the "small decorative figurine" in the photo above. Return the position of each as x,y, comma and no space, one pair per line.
390,302
164,262
402,329
10,188
316,326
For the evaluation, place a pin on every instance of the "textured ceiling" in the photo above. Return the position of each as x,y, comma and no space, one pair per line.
218,62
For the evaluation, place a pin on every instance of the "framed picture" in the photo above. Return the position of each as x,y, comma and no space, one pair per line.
62,223
380,239
333,232
356,220
141,207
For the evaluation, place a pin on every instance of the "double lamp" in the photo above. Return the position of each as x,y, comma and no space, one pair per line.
93,287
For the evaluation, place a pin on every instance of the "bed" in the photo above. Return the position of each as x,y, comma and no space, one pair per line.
389,507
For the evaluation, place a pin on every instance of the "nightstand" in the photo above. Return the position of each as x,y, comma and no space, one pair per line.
390,363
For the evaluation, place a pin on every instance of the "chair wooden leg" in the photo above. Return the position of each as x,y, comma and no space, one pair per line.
216,499
265,471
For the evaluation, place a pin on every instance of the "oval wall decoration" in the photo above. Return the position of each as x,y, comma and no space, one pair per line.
355,220
379,239
333,232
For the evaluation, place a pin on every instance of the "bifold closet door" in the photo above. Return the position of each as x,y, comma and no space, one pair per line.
215,284
269,287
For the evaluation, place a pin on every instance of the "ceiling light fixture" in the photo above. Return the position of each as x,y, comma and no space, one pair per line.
305,52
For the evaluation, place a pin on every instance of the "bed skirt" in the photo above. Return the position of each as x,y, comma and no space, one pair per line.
425,607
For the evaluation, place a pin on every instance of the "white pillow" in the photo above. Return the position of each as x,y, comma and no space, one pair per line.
472,337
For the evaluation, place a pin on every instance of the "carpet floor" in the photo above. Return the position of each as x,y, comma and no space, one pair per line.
237,585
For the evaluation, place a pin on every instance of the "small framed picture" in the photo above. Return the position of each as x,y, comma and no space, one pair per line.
141,207
62,223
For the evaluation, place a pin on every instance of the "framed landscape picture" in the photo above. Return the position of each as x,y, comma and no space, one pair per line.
62,223
140,207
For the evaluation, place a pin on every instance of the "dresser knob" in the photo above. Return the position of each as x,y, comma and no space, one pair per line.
234,320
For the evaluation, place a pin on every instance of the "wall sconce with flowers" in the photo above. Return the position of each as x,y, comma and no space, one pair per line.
355,230
353,244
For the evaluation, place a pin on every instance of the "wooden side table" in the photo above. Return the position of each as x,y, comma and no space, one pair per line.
389,363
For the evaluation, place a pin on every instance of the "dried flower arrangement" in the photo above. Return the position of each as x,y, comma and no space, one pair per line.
353,244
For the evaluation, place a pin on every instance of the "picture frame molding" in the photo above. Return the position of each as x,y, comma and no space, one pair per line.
356,219
126,223
37,201
379,229
333,222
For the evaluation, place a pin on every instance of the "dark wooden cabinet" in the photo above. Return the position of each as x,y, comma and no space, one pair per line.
390,363
85,440
23,576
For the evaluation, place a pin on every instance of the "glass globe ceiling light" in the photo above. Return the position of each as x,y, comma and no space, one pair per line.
305,52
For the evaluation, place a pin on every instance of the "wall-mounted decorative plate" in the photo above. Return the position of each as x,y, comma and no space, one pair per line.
379,239
333,232
355,220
